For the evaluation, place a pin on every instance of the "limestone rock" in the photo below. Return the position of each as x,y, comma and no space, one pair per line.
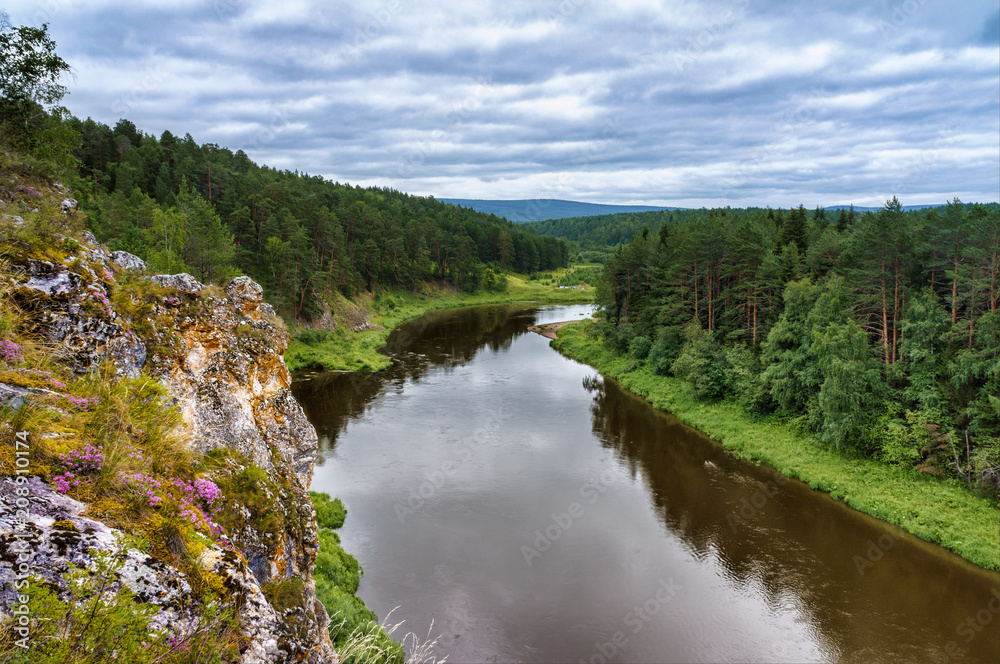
128,352
183,282
267,631
68,205
246,294
55,538
128,262
13,396
221,361
50,280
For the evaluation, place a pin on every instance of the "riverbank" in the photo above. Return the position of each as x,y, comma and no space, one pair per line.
357,350
941,511
550,330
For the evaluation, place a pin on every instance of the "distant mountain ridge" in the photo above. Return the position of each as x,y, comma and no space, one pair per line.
861,208
524,211
541,209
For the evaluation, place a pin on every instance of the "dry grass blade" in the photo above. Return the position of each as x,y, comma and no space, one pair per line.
363,645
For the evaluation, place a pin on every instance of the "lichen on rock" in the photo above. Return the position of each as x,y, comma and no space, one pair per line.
218,353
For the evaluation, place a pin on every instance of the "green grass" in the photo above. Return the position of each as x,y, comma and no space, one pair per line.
341,350
940,511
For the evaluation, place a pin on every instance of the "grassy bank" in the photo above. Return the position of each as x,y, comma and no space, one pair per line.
345,350
940,511
355,630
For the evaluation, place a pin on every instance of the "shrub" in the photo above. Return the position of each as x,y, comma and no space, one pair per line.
639,347
329,513
702,363
285,594
665,350
744,379
336,565
313,337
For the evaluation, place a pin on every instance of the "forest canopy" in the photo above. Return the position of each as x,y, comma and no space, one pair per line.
207,210
877,331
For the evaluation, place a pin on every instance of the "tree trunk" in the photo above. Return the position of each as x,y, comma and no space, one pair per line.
954,295
885,325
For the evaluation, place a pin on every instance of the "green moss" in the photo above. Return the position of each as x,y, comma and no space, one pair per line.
251,488
285,594
940,511
336,565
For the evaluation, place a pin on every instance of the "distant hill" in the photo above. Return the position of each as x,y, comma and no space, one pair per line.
858,208
540,209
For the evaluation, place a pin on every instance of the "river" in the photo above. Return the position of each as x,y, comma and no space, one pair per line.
536,512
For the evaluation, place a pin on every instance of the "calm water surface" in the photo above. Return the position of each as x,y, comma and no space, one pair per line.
538,513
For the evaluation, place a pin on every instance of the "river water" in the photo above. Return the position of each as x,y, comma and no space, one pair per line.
536,512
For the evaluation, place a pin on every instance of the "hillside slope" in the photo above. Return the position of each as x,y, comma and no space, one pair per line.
154,468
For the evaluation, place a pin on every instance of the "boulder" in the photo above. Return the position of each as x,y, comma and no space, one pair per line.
183,282
128,262
246,294
55,538
56,285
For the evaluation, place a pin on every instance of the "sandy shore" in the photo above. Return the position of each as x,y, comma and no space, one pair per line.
549,329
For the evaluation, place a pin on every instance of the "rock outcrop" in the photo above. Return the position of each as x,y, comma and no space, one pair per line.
58,539
219,354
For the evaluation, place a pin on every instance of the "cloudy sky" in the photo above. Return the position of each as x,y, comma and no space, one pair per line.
665,102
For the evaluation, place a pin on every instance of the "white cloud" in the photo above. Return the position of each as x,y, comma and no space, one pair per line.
647,101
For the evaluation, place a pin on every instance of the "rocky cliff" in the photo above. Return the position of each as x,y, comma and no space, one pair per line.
216,356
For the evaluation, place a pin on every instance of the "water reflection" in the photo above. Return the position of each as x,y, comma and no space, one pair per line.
441,339
800,547
766,568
